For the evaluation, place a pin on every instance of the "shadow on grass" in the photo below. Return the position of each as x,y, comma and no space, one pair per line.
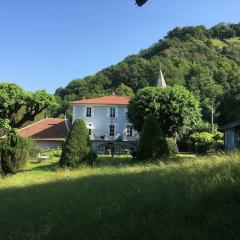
48,167
177,204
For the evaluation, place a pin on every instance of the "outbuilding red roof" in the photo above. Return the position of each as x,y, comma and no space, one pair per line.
46,129
106,100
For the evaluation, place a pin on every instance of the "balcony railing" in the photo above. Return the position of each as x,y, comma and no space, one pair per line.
118,137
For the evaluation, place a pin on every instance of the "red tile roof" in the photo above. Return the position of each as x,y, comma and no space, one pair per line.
46,129
106,100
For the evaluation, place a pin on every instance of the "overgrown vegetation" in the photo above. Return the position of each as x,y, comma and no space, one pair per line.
205,142
189,199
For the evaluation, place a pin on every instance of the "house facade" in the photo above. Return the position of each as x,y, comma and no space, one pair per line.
107,122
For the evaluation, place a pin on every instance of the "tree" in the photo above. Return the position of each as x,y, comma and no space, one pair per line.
175,108
123,90
14,153
14,100
77,147
152,144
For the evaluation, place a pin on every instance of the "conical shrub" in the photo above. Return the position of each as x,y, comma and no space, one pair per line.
77,148
14,153
152,144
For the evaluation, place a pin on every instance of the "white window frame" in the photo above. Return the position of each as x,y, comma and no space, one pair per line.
87,113
129,130
112,112
114,132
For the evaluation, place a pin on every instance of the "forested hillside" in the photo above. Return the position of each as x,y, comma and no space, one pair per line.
206,61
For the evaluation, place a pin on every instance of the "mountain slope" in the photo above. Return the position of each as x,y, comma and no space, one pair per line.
206,61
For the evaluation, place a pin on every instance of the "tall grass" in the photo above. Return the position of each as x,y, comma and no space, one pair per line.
189,199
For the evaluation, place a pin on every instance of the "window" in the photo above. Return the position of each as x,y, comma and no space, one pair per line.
112,130
129,130
101,148
89,112
89,131
126,113
112,112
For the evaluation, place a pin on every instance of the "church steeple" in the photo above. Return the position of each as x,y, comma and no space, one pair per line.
161,81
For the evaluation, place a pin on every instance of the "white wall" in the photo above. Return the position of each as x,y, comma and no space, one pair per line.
101,120
49,145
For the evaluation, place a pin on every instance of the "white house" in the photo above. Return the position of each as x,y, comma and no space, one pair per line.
106,119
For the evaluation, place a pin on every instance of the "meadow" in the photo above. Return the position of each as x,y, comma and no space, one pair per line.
186,198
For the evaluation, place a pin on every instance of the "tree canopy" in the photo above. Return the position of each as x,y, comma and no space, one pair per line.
175,108
19,106
123,90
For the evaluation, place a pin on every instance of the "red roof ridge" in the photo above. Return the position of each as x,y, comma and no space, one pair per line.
104,100
30,125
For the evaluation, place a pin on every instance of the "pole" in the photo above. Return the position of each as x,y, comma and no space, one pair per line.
212,118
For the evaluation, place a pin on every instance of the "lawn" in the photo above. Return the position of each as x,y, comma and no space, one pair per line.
189,198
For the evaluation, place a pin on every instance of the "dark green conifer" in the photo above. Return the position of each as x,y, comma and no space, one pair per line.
152,144
77,147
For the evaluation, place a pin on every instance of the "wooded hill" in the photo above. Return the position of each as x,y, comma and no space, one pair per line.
206,61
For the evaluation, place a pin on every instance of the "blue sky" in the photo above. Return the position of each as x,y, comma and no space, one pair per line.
46,43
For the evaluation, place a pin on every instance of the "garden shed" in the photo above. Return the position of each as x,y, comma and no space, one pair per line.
48,133
232,135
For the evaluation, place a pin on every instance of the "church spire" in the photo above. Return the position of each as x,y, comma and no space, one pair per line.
161,81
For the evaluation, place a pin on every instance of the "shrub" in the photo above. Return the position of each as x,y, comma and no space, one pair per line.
14,153
205,142
152,143
77,148
172,147
33,148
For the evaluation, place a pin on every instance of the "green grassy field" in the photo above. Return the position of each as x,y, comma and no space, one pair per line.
192,198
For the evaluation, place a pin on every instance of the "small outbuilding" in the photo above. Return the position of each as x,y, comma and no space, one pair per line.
231,135
48,133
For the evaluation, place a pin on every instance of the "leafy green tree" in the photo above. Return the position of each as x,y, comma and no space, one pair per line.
152,144
123,90
176,109
222,31
13,99
77,147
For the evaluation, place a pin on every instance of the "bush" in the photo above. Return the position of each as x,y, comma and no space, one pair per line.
14,153
205,142
172,147
33,148
152,144
77,148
